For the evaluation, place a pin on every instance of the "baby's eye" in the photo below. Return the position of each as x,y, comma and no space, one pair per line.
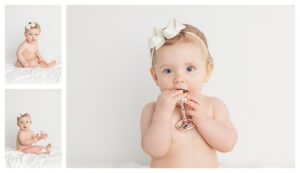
167,71
190,68
36,35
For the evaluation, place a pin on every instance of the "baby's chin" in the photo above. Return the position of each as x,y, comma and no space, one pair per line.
31,41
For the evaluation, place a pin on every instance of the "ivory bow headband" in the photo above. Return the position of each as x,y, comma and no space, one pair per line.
160,36
23,114
30,25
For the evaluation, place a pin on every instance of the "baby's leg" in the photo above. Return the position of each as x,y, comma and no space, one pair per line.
51,64
35,63
47,65
19,64
35,149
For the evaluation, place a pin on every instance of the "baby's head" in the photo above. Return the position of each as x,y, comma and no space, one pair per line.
32,31
24,121
180,57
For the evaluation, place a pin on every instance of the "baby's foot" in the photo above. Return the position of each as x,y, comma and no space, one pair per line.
48,148
51,64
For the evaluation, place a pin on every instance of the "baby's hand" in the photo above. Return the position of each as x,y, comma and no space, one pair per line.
193,108
166,101
43,135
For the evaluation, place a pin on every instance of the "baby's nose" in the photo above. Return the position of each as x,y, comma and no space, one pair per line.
179,79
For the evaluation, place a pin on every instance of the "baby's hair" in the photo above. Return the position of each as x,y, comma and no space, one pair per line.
188,34
32,25
23,115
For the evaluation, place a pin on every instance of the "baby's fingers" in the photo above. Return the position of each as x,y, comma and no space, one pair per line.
193,105
181,96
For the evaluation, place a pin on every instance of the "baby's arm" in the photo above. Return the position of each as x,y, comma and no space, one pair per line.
156,123
24,140
218,131
20,57
42,135
156,132
38,54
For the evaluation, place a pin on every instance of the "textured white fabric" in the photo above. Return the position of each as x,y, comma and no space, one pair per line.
16,159
17,75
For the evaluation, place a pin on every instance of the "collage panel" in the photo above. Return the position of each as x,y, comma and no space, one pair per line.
33,128
126,63
32,44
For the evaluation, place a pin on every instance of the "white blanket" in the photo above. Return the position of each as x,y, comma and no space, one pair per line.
16,159
18,75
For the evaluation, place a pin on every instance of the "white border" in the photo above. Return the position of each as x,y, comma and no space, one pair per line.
62,85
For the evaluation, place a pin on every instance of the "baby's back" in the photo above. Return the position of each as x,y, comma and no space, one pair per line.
23,135
28,51
188,149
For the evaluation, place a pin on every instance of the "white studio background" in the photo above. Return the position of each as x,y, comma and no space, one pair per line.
109,81
49,18
44,106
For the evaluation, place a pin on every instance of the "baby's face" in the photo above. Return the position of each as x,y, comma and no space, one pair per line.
32,35
24,123
181,66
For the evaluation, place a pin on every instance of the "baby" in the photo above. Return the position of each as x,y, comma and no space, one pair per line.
26,137
28,54
181,65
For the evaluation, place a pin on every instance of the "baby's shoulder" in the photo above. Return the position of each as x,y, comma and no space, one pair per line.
215,103
149,108
23,45
21,133
219,109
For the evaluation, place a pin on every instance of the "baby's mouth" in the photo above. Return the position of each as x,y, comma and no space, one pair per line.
184,90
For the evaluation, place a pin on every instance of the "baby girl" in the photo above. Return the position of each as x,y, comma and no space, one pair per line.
28,54
184,127
26,138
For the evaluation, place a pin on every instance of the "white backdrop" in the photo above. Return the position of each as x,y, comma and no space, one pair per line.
109,81
44,106
49,18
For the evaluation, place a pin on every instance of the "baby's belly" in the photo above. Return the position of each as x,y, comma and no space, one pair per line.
29,57
187,158
188,149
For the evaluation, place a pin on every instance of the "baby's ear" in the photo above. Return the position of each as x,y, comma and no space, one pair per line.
153,74
209,68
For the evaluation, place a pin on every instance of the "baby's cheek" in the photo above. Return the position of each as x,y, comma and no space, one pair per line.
165,85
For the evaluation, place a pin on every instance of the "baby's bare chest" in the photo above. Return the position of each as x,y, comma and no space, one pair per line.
30,50
26,135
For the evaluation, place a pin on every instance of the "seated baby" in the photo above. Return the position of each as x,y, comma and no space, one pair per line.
26,137
28,54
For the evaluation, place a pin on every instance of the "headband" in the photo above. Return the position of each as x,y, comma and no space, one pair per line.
160,36
30,25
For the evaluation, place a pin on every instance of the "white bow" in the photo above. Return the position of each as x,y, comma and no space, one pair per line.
21,114
160,35
30,25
